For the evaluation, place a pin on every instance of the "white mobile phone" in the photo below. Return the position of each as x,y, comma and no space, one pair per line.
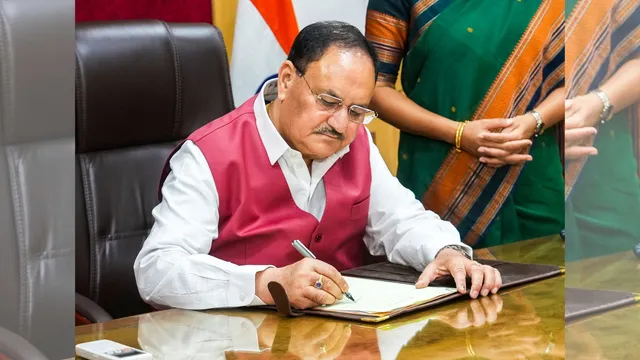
110,350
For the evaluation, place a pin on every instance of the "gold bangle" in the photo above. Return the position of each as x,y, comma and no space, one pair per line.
459,135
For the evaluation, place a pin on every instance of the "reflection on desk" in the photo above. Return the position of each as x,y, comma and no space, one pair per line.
523,322
609,336
619,272
614,334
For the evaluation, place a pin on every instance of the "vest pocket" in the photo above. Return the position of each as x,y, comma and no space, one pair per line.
360,209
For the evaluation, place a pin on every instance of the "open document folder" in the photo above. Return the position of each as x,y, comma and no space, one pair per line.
384,290
379,298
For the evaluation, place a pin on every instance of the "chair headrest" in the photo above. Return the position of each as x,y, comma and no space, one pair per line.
146,82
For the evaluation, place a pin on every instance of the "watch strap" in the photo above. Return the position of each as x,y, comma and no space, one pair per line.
607,106
457,248
539,123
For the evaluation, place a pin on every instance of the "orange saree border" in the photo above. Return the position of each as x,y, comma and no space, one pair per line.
461,179
589,29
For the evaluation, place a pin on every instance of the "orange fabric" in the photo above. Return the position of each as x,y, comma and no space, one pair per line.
281,18
459,167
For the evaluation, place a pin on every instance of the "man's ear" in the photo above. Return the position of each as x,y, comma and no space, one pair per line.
286,73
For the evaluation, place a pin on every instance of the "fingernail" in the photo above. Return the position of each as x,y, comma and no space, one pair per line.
461,288
485,292
482,160
481,149
509,121
474,294
494,290
420,284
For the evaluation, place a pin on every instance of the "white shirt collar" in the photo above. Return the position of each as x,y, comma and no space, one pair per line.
273,142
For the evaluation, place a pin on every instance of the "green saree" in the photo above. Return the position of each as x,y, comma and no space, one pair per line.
603,191
473,60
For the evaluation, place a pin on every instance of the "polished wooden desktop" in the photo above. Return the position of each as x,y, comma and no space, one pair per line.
522,322
615,334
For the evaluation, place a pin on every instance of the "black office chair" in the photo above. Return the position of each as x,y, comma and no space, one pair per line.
141,87
36,164
15,347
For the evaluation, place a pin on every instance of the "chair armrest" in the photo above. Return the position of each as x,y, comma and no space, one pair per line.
15,347
91,311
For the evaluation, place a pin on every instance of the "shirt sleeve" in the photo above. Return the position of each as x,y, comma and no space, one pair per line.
174,267
387,29
398,224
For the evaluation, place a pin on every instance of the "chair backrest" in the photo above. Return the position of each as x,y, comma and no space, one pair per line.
36,164
141,87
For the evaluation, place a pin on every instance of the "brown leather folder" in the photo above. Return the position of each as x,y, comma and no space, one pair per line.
512,274
582,303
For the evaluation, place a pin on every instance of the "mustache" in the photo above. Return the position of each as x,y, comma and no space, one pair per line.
328,130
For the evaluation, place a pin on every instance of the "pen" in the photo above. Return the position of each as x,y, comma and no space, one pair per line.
307,253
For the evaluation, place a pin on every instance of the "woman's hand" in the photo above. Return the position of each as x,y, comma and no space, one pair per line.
478,135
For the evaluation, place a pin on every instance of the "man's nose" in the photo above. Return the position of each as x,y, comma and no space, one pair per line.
339,120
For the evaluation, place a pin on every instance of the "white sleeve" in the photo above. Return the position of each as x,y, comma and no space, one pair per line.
398,224
174,267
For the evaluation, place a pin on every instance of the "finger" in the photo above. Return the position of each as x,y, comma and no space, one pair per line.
479,317
303,303
456,269
489,280
498,283
507,160
496,124
514,146
329,286
517,158
500,137
497,301
493,152
319,332
577,152
334,351
318,296
579,134
331,338
492,162
476,272
490,310
427,276
331,273
462,319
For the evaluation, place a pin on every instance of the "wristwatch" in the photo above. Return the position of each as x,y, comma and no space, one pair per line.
539,123
607,109
457,248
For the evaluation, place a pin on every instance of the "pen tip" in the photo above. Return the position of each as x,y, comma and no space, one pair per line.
349,296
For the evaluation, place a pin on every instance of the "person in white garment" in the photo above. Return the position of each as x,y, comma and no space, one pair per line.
294,162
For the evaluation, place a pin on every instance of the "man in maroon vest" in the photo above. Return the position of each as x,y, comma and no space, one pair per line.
294,162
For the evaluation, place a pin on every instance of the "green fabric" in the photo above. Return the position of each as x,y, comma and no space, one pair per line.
448,71
602,210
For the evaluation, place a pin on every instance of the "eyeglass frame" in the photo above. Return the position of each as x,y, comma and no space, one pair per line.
339,103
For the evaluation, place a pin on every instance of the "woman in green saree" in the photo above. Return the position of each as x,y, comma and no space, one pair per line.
491,63
603,66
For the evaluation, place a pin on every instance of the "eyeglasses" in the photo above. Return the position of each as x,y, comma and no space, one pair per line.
357,114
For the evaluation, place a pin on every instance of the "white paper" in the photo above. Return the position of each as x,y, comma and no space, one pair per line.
378,296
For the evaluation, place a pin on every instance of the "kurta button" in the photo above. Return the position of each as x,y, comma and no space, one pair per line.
318,237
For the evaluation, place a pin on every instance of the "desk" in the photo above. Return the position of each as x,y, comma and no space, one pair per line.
612,335
523,322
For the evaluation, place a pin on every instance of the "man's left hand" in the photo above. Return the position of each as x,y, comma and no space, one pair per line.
484,279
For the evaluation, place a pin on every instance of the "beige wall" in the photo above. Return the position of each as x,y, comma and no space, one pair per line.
386,136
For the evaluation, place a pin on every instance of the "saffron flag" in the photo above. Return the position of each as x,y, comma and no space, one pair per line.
265,30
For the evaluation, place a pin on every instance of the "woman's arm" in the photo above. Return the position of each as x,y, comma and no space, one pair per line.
400,111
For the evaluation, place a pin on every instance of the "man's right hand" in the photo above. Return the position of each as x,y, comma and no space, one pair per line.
298,280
